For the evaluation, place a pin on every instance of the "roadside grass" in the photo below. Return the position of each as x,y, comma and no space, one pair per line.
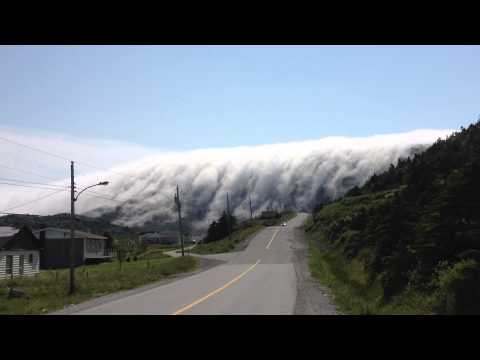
49,290
351,291
164,247
152,254
348,280
156,251
308,223
226,245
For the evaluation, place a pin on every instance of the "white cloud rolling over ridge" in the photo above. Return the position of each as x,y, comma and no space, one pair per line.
142,181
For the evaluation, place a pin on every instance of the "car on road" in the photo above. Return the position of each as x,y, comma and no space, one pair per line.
284,224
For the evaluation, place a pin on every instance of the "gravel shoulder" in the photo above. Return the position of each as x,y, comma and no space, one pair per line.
312,297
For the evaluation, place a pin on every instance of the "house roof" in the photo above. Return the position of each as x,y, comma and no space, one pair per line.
6,234
78,233
21,239
8,231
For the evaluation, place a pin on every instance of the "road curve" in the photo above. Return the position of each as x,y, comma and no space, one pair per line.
260,280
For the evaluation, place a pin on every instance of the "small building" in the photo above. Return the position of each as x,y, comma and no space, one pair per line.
19,252
270,215
55,248
163,237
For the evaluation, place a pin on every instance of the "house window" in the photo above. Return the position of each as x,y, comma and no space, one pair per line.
9,267
94,245
21,266
30,258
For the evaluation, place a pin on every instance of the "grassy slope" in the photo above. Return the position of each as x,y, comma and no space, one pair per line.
226,245
49,291
351,291
349,280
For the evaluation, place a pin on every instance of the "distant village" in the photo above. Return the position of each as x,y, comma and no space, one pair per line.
24,252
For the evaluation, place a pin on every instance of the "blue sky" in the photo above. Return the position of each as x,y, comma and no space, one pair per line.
186,97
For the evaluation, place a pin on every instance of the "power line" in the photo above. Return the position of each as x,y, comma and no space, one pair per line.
66,159
63,158
99,193
34,149
33,187
34,183
103,197
32,201
106,170
27,172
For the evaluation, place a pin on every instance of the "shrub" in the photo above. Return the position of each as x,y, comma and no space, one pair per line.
458,288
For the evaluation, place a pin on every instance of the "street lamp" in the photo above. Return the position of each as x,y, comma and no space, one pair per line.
88,187
72,227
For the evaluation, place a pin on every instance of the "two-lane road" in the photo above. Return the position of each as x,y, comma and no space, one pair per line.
259,280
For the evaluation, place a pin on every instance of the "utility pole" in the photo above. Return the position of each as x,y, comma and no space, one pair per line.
229,220
179,205
72,229
251,212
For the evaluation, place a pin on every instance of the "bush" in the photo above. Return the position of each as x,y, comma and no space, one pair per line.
350,239
459,288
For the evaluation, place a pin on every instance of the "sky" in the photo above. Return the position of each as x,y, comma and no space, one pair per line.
188,97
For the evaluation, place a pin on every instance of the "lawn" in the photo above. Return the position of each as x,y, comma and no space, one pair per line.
49,291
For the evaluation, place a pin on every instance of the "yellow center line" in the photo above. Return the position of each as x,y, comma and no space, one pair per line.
196,302
268,245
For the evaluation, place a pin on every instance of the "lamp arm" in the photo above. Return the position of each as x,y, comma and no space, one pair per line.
88,187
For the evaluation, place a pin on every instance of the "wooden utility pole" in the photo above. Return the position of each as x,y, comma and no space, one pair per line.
72,229
251,212
179,205
229,220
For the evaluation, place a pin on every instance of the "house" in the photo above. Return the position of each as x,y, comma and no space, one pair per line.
19,252
164,237
270,215
55,248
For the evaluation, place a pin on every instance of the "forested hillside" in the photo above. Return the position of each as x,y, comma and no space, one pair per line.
95,225
414,229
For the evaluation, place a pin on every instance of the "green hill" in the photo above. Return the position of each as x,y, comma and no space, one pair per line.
409,239
84,223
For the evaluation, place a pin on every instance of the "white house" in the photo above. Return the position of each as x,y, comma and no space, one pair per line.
19,252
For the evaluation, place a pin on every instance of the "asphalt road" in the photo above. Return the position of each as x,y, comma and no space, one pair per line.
259,280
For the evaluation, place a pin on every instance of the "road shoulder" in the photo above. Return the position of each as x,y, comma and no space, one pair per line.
312,297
